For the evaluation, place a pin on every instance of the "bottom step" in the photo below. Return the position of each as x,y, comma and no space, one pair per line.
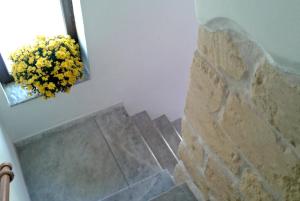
145,189
178,193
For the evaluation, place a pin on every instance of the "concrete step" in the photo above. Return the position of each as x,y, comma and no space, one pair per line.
145,189
70,163
152,136
178,193
177,125
130,150
168,132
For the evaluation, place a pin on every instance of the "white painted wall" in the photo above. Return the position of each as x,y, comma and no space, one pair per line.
139,53
18,191
274,24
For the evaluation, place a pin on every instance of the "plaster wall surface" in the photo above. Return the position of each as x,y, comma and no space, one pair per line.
139,52
8,155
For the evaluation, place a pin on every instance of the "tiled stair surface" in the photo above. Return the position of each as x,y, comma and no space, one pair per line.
107,156
168,132
127,145
153,137
72,164
145,189
177,125
178,193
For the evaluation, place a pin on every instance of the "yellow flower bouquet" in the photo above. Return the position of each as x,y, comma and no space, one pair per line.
48,66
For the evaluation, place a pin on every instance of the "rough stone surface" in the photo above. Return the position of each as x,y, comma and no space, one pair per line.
189,155
277,97
245,114
220,184
252,187
181,175
214,137
219,48
205,96
194,171
206,85
291,184
192,141
256,140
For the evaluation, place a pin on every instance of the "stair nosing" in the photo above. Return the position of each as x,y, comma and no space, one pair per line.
160,134
174,134
130,186
166,142
164,193
138,133
177,134
148,146
177,130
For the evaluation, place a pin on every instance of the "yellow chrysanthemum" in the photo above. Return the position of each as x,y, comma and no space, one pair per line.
49,66
60,55
51,85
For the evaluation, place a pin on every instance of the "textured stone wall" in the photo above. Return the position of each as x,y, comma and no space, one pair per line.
241,129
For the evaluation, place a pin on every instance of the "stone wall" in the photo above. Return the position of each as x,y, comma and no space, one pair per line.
241,129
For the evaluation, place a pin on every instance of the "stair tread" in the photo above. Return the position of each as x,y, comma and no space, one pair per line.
152,136
59,163
168,132
178,193
177,125
133,155
145,189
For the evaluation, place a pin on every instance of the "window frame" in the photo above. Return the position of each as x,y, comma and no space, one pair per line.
69,20
5,77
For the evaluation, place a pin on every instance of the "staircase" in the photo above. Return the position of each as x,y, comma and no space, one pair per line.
107,156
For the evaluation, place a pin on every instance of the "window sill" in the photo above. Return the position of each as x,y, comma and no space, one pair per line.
16,95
